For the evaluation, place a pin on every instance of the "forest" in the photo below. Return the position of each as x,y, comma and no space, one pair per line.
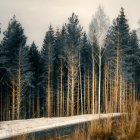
74,72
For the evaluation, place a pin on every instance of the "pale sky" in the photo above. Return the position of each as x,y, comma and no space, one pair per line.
36,15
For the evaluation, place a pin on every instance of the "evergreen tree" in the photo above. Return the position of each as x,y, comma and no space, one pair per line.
48,57
73,39
12,42
135,57
85,68
22,78
36,67
13,38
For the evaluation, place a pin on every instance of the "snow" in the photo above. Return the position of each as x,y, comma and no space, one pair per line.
20,127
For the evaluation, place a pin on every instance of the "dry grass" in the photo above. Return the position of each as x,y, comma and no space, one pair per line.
101,129
126,125
122,128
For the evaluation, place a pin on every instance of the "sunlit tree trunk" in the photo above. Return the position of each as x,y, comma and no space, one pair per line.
58,104
84,92
99,85
68,94
105,87
19,90
78,95
61,90
95,89
72,90
81,90
93,86
88,93
13,99
48,107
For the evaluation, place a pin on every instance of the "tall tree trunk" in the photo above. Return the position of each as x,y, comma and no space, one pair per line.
120,94
48,108
68,94
33,104
58,104
13,99
78,95
61,90
38,103
105,87
84,92
72,90
81,91
1,111
99,88
19,91
29,109
88,93
93,86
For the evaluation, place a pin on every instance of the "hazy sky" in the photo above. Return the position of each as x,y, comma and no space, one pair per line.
36,15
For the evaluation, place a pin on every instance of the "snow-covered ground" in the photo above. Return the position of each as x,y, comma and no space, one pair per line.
20,127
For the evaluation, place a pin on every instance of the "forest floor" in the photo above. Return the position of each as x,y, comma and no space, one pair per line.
22,127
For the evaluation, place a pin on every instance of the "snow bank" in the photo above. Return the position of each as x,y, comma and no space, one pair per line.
19,127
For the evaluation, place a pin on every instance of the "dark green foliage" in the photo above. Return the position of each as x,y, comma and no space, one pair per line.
13,38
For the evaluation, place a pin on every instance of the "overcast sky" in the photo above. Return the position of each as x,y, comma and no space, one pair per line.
36,15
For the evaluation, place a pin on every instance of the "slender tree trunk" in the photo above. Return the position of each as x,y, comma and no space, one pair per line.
61,90
84,92
72,90
19,91
5,100
120,93
8,105
93,86
78,95
96,99
107,91
81,93
111,93
48,108
33,104
29,103
88,91
1,103
105,85
38,103
117,79
13,99
58,104
68,94
99,88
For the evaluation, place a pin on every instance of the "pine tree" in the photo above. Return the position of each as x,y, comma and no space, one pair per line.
73,38
23,76
134,59
36,67
85,65
13,39
48,56
119,55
